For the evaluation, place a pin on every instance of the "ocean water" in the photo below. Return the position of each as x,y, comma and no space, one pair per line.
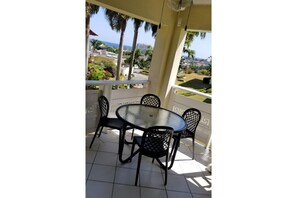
117,45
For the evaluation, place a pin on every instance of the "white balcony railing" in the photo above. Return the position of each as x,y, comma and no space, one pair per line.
179,103
117,97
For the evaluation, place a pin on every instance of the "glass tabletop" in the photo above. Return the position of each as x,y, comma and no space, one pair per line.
143,116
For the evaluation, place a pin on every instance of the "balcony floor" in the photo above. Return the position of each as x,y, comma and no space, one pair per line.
106,177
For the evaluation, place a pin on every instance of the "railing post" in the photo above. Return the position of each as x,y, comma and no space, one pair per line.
208,143
107,91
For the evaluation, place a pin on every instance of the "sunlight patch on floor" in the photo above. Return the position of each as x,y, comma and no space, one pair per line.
200,182
185,165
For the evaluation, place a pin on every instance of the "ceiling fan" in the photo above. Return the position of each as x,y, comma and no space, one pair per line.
179,5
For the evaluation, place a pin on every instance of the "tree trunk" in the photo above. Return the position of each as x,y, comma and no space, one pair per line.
120,53
133,53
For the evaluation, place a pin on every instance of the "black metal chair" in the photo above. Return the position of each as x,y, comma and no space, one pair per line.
154,143
105,121
151,100
192,117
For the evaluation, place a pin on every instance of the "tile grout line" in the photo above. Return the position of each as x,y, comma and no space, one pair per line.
91,165
188,185
115,173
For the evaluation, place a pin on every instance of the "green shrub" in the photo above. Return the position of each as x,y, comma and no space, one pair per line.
95,72
188,71
102,70
109,67
203,72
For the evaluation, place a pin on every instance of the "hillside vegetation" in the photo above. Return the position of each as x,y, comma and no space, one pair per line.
194,81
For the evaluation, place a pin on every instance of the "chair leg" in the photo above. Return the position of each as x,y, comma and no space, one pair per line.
132,134
193,143
138,167
132,150
98,126
172,149
121,142
96,132
94,136
100,131
166,168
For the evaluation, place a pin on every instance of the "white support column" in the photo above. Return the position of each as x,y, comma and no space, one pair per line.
172,64
167,54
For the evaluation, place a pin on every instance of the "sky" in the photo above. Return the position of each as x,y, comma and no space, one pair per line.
100,26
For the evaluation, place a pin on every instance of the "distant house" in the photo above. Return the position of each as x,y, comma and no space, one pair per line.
125,70
111,55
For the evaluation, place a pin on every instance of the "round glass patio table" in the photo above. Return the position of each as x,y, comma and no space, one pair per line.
142,117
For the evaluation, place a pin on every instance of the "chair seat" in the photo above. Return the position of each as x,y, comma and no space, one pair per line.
186,134
137,140
105,121
115,123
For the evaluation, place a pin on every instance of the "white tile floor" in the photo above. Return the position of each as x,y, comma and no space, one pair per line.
106,177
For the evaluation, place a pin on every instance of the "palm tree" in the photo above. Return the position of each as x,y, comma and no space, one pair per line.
137,57
190,38
149,26
95,43
145,62
91,9
137,25
186,49
191,53
191,35
149,53
118,22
